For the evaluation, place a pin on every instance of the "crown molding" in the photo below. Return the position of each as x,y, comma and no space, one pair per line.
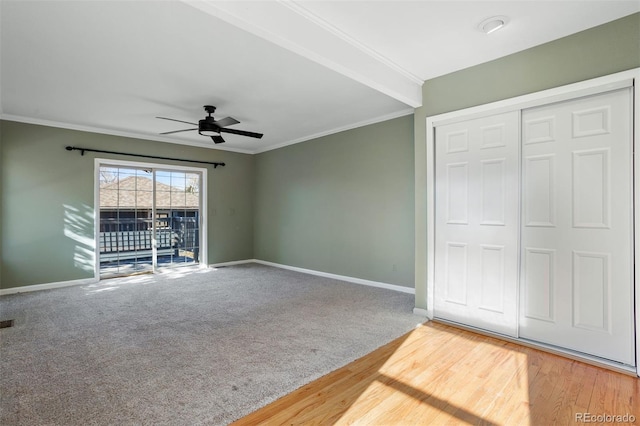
363,123
102,131
111,132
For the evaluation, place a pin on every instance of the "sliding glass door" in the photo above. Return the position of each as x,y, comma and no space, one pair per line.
177,217
149,218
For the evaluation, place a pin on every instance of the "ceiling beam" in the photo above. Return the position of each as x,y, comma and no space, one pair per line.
293,27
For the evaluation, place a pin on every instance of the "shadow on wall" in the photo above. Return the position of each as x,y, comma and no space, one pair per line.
79,225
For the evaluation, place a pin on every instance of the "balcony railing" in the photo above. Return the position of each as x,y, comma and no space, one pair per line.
132,238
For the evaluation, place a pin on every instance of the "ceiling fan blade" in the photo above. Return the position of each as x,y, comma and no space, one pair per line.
226,122
179,121
242,133
217,139
177,131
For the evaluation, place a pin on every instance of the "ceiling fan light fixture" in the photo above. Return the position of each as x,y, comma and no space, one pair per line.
493,24
206,128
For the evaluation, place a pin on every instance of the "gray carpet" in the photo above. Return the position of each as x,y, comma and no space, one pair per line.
206,347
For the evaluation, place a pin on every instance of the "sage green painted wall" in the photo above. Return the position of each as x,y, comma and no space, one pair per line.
596,52
1,210
341,204
47,196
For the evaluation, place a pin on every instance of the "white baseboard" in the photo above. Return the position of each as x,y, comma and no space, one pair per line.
340,277
234,262
47,286
354,280
85,281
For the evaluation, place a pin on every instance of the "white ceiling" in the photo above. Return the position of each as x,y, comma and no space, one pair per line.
290,70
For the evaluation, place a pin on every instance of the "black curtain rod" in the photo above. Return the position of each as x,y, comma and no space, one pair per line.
83,150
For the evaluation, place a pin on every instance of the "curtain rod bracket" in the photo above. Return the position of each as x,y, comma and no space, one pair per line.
83,150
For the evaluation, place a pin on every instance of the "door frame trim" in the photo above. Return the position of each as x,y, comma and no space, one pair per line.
98,162
425,214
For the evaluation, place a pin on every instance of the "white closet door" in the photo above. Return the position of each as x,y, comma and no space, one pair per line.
476,221
576,268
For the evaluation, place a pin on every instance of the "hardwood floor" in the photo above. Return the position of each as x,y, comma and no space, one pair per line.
439,374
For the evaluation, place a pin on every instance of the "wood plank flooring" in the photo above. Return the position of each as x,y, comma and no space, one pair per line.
439,374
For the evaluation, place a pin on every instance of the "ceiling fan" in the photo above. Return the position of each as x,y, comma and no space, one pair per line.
209,126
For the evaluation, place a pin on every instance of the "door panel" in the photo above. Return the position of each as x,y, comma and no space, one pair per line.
539,197
477,181
577,270
125,235
538,284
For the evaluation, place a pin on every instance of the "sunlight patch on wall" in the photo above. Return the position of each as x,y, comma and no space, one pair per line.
79,225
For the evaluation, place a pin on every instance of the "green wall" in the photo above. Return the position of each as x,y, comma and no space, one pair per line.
596,52
1,209
341,204
47,199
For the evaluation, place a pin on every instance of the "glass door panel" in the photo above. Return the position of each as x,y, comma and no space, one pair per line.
178,216
141,206
125,237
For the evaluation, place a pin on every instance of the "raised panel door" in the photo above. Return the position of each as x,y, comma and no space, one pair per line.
577,270
477,184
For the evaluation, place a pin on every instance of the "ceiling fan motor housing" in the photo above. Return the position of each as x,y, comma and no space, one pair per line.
207,127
